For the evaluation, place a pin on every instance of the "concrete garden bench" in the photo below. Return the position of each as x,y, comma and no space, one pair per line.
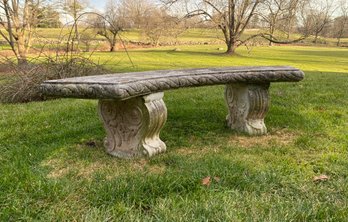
133,112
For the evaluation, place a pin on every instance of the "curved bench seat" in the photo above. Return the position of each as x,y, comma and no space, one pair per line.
126,85
133,111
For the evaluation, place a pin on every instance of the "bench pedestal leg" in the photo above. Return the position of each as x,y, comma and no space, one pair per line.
247,105
133,125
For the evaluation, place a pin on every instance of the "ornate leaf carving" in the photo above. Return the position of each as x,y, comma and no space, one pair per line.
133,125
128,85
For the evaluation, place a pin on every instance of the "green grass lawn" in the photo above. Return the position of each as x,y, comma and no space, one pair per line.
49,173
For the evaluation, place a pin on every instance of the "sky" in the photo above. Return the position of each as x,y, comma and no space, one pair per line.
98,4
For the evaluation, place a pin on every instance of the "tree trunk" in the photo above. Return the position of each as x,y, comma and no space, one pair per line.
87,47
113,47
22,61
76,36
288,33
231,49
338,41
316,38
271,32
22,51
112,40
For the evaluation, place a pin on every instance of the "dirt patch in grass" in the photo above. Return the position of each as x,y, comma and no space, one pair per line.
143,165
198,150
186,151
280,137
60,167
57,169
156,169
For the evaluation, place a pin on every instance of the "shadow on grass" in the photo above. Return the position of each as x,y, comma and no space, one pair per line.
182,178
196,116
189,52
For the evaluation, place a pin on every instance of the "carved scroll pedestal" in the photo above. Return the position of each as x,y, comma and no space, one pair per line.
133,125
248,105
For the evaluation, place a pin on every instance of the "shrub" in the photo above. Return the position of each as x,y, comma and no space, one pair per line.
20,83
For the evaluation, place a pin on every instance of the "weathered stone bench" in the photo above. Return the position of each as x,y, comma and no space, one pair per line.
133,112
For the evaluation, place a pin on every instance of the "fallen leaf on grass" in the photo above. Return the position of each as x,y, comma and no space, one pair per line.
321,178
206,181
